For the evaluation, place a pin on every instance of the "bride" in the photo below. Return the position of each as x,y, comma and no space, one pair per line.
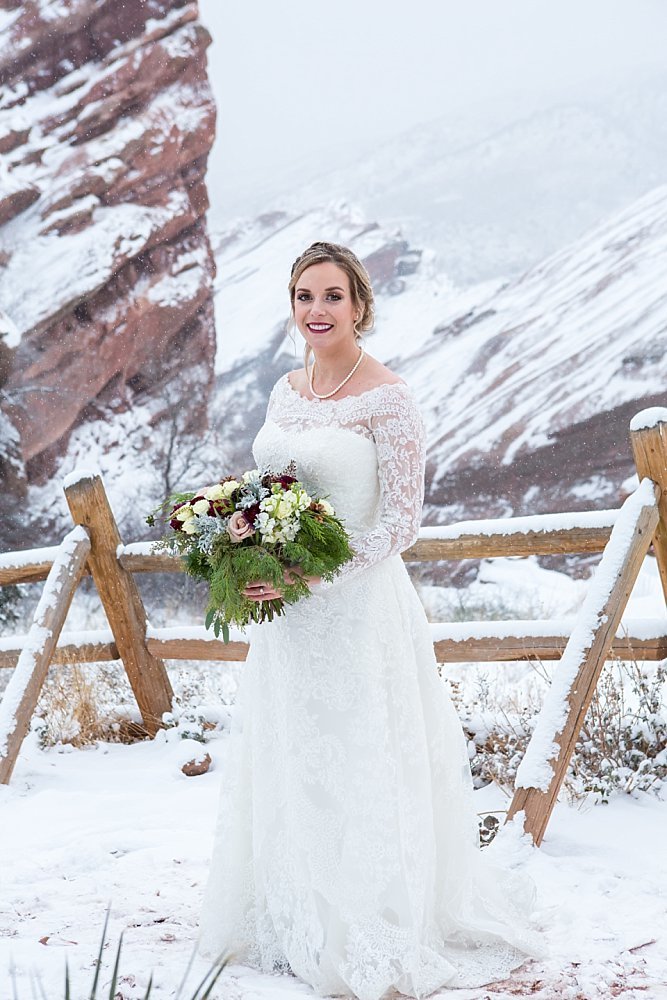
347,848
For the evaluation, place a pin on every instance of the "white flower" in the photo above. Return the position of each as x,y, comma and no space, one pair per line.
284,510
183,513
190,527
229,487
215,492
269,504
200,507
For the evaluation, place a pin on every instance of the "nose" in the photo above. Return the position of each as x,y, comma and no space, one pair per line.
317,308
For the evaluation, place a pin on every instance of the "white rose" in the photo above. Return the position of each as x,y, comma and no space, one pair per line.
214,492
190,527
200,507
229,487
183,513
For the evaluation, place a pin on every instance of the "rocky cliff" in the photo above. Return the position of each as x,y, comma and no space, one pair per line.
106,271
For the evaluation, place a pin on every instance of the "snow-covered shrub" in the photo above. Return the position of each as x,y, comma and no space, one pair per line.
622,745
79,704
623,742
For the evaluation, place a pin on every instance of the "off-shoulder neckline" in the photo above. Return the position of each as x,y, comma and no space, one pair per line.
357,395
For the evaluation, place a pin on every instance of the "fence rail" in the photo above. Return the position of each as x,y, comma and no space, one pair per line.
581,644
502,537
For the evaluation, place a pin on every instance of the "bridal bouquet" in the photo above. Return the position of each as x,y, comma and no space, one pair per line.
264,526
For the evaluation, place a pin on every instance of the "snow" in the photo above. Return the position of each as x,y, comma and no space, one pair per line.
523,525
121,826
650,417
536,628
15,560
76,475
193,632
536,770
135,549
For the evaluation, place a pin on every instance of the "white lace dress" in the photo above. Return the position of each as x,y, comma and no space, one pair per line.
347,847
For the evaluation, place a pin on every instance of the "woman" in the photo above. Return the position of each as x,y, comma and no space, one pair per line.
347,844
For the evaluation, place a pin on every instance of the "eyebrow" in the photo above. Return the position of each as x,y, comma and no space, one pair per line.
331,288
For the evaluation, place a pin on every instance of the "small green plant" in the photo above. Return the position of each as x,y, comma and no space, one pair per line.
202,992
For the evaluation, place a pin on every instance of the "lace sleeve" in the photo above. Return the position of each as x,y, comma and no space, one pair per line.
399,435
273,395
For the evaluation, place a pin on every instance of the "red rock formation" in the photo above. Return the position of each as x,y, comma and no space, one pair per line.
108,121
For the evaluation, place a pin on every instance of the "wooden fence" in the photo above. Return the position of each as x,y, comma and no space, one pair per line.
582,644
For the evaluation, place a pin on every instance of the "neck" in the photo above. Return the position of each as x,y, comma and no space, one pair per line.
333,369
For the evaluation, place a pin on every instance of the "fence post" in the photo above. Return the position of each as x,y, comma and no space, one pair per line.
89,506
542,771
648,436
22,693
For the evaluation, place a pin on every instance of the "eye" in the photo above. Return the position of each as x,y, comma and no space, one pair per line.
302,295
334,295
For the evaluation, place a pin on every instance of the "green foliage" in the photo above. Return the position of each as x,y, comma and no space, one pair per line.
320,548
202,992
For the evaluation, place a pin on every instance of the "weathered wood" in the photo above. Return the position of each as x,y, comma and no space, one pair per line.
198,649
120,597
487,546
550,541
22,692
649,447
487,649
85,652
513,648
153,562
13,570
589,657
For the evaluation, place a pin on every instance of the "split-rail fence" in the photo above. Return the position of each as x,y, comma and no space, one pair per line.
582,645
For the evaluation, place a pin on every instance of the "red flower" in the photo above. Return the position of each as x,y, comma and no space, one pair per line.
250,513
286,481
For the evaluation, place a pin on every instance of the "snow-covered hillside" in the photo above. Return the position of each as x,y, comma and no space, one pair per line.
527,386
495,189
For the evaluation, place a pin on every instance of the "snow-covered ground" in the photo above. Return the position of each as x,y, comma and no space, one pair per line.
120,825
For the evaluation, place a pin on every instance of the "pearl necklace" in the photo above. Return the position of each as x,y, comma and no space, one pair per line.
346,379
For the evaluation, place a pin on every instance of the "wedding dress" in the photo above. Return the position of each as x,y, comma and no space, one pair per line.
346,849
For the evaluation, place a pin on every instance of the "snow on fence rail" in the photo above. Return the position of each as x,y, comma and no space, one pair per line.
582,643
539,534
453,642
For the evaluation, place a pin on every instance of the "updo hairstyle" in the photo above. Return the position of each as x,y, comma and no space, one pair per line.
361,290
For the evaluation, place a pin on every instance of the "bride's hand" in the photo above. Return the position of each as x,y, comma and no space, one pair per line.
262,590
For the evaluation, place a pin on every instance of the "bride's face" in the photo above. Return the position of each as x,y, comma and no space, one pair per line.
323,307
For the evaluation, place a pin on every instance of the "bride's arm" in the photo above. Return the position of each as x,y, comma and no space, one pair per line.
399,434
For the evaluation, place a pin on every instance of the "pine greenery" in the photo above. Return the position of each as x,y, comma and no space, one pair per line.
319,549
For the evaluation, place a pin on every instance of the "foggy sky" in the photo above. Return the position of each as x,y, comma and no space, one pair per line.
302,86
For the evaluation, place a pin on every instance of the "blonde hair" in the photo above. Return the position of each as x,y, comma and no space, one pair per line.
361,291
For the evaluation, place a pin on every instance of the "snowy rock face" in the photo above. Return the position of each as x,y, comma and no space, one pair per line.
106,271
